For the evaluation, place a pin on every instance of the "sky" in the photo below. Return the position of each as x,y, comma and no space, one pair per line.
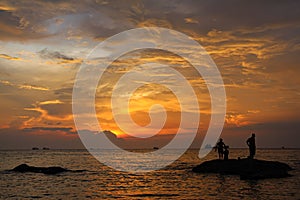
255,45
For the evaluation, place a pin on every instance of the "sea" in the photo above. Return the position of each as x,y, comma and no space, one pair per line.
176,181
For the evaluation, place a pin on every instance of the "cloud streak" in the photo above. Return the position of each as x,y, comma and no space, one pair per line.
24,86
254,44
5,56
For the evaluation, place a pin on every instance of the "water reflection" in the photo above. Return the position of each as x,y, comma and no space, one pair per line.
174,181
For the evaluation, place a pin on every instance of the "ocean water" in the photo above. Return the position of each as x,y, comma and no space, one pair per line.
176,181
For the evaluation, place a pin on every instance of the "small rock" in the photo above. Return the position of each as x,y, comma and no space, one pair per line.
45,170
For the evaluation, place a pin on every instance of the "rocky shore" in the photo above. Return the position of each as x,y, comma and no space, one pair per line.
245,168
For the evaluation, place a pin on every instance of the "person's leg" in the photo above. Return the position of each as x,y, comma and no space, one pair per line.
252,152
220,155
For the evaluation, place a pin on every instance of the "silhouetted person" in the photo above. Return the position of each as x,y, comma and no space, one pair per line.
226,152
251,144
220,147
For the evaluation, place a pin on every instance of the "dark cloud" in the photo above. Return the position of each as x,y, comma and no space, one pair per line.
9,25
47,54
57,109
100,19
16,27
64,93
63,129
38,19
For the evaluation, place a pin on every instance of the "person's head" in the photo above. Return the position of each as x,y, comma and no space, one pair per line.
253,134
221,139
226,147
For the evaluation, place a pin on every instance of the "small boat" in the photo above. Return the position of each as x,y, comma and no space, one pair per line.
46,148
35,148
155,148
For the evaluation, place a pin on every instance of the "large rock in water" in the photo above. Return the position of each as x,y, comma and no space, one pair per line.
245,168
45,170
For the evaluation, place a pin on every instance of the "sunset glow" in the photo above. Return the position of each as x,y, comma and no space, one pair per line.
43,44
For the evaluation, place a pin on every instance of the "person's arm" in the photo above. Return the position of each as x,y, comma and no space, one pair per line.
248,142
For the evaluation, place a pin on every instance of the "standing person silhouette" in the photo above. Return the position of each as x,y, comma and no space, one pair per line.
251,144
220,147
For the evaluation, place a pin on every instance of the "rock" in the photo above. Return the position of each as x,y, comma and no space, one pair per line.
245,168
45,170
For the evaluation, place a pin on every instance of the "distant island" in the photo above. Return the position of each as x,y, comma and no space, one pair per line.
36,148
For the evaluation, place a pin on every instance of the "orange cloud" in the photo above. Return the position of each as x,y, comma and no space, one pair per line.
24,86
7,57
189,20
56,101
7,8
48,116
33,87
